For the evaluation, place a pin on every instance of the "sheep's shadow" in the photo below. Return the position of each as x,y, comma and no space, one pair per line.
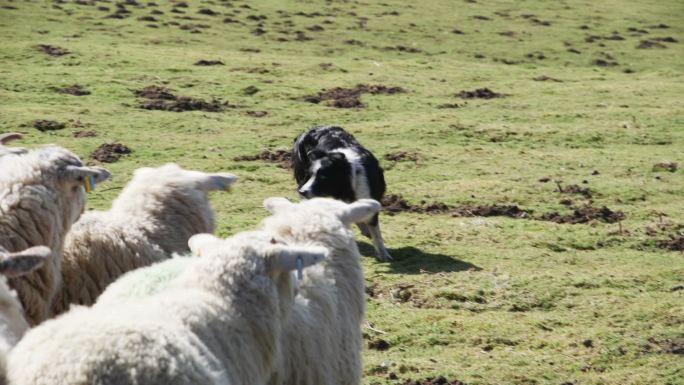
410,260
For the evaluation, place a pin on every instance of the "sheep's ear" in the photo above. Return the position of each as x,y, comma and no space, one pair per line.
289,258
7,137
16,264
199,242
359,211
277,204
96,174
218,181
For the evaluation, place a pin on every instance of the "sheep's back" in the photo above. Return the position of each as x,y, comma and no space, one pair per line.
99,249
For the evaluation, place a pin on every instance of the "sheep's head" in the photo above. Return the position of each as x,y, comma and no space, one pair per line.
51,174
168,193
258,257
320,219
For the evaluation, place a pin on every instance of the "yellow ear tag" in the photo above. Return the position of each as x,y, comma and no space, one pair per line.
89,183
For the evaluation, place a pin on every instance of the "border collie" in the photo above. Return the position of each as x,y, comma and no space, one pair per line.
329,162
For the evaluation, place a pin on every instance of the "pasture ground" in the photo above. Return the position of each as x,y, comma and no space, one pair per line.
589,113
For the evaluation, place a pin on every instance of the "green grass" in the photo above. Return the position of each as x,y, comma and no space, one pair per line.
494,300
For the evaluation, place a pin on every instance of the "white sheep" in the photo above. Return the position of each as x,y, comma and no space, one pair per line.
324,325
322,340
218,322
41,195
13,324
153,218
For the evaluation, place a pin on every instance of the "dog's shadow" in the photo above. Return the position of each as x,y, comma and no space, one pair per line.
410,260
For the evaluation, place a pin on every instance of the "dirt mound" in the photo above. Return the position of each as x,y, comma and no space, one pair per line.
441,380
207,11
161,98
155,92
575,189
209,63
480,93
110,152
47,125
676,242
257,114
544,78
604,63
378,344
340,97
250,90
401,156
282,157
646,44
450,105
184,103
53,50
395,203
584,215
76,90
511,211
665,166
402,48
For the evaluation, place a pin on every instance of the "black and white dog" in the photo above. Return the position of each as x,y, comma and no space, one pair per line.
329,162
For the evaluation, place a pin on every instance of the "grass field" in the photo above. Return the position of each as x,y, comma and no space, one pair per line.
590,94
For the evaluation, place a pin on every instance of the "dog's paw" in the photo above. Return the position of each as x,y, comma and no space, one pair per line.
384,255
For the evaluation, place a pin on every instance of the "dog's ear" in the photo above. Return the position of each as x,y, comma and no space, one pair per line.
316,154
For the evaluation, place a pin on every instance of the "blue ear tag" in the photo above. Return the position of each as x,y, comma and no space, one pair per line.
300,267
89,183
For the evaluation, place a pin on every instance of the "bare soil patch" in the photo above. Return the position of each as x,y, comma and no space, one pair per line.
209,63
161,98
675,242
53,50
85,134
575,189
441,380
395,203
544,78
449,105
647,44
584,215
674,345
250,90
480,93
511,211
47,125
110,152
282,157
665,166
257,114
76,90
604,63
401,156
340,97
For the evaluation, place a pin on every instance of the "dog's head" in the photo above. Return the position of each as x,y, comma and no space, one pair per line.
331,175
